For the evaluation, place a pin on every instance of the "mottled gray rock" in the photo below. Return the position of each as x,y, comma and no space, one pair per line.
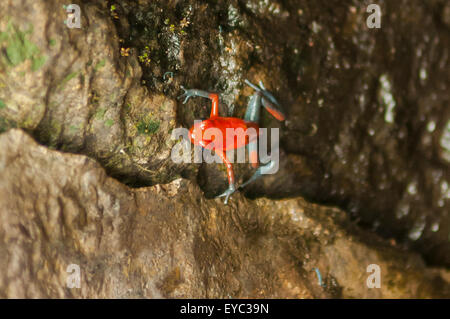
59,209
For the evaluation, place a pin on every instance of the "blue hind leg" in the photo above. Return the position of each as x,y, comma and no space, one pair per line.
268,101
252,115
260,98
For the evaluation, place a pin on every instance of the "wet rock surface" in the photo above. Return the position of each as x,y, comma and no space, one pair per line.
58,210
368,119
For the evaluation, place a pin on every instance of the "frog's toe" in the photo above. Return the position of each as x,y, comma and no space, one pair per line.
227,194
261,85
262,170
268,95
268,100
186,95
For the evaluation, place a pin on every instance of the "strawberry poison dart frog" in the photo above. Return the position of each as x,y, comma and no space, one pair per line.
197,135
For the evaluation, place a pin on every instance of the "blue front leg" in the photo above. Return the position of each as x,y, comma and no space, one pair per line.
188,93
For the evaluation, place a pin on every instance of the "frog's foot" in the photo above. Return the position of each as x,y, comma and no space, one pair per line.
269,102
231,189
261,88
262,170
188,93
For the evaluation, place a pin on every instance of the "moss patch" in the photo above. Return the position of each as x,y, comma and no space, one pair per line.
109,123
100,65
67,79
100,113
19,48
147,127
6,124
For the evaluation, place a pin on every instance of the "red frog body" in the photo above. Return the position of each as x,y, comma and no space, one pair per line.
226,133
223,124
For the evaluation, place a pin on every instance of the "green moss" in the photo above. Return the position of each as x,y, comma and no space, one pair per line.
73,128
67,79
52,132
20,49
100,65
52,42
2,104
148,127
38,63
144,57
109,123
6,125
100,113
27,123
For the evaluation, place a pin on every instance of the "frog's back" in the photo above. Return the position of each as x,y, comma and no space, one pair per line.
241,134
